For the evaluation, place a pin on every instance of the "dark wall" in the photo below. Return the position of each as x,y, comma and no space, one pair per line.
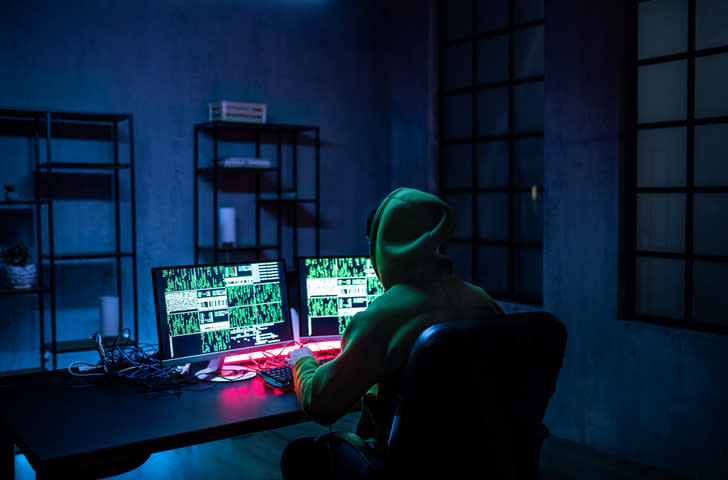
649,393
313,62
361,70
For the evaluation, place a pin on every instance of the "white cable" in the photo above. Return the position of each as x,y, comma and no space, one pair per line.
87,364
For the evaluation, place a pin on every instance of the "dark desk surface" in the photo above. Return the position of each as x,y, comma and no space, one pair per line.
57,419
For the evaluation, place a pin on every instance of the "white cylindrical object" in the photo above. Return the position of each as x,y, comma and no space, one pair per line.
109,316
227,226
296,325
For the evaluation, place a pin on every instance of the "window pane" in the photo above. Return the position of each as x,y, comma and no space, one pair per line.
661,222
528,52
662,92
493,216
493,270
661,157
711,155
458,66
660,287
528,217
711,78
663,28
457,160
456,19
462,259
492,15
493,164
526,10
493,111
528,107
527,273
528,166
462,206
457,116
710,22
492,59
710,223
709,280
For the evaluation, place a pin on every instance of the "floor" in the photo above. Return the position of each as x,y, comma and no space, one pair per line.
256,457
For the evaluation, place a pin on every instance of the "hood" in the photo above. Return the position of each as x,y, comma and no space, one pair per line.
406,231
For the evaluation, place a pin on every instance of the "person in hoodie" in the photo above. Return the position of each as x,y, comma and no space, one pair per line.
405,232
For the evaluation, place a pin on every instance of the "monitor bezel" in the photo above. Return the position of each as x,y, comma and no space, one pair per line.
303,320
206,357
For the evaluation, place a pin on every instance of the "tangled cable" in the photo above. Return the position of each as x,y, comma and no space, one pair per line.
133,362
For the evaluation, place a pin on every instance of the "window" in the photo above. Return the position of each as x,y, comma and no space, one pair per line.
677,240
491,142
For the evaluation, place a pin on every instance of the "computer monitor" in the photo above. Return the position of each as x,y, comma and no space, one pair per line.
331,291
209,312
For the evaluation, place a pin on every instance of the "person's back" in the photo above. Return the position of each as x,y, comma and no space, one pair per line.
421,290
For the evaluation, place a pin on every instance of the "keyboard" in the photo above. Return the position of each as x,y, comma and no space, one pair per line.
281,378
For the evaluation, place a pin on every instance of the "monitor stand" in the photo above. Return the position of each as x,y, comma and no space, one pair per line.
216,371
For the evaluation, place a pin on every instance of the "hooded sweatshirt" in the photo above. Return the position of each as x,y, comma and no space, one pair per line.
420,290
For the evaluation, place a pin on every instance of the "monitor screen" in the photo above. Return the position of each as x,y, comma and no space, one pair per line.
332,290
205,312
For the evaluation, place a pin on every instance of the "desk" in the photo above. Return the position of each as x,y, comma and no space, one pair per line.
60,421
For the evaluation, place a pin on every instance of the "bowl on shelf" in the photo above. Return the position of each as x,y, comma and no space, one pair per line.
20,276
19,273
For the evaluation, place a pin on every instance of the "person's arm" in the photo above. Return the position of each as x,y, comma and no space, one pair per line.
327,392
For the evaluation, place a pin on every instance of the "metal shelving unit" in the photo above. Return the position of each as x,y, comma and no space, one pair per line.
45,128
285,189
40,290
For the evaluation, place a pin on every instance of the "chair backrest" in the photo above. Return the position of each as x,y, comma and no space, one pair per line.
473,397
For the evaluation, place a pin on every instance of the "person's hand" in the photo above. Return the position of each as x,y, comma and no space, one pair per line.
296,354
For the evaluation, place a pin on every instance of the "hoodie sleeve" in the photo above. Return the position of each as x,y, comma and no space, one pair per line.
329,391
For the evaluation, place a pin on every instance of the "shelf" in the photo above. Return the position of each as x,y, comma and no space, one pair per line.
67,116
26,203
5,291
227,170
285,197
278,201
68,346
82,166
260,133
103,176
89,126
239,248
273,196
86,256
254,126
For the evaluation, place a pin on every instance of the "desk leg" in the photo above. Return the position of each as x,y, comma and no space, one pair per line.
7,469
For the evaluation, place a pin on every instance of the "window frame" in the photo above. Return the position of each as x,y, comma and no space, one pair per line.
473,241
630,190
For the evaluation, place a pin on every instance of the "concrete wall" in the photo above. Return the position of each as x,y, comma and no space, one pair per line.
313,62
361,71
651,394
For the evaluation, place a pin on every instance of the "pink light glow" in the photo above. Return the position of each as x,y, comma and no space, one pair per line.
317,347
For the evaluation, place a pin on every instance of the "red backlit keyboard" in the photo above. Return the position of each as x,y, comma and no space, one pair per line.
281,378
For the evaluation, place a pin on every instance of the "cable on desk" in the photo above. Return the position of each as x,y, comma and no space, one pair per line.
132,362
274,359
89,365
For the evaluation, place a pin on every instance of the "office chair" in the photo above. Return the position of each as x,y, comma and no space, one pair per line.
471,403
